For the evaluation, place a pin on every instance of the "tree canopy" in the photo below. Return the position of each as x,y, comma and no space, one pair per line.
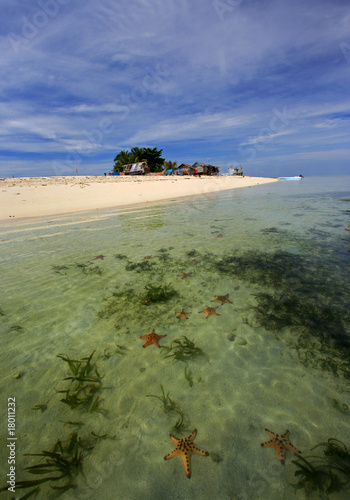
150,155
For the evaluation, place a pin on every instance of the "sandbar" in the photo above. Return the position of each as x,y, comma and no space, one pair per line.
26,197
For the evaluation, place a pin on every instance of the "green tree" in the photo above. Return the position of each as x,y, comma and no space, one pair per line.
169,165
153,158
150,155
122,158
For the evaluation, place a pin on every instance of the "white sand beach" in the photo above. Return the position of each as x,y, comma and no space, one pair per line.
45,196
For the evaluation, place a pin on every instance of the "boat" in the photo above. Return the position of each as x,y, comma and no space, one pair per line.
295,178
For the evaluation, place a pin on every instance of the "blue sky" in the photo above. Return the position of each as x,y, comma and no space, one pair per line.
261,83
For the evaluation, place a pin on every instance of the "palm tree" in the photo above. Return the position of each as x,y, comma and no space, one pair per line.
169,165
122,159
152,156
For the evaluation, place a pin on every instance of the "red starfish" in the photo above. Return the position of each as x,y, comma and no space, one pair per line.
182,314
184,449
281,443
99,257
184,275
151,338
209,311
223,299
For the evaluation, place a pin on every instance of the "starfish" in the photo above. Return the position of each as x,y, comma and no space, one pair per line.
184,275
182,314
151,338
223,299
184,449
99,257
281,443
209,311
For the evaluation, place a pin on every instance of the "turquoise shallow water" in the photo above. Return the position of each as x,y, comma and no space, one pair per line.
276,357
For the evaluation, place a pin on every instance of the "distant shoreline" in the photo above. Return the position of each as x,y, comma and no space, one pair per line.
27,197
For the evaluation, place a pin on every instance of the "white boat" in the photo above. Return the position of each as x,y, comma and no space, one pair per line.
295,178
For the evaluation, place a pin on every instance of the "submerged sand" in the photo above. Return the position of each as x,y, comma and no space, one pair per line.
45,196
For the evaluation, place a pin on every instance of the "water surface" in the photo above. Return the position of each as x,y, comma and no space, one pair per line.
276,356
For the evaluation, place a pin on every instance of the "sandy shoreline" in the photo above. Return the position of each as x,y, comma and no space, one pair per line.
44,196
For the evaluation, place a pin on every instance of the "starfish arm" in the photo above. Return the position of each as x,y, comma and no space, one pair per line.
147,343
186,460
267,444
192,435
174,439
199,451
281,453
270,433
172,454
146,338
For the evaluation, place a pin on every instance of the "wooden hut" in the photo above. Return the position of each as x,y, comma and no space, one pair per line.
204,169
185,169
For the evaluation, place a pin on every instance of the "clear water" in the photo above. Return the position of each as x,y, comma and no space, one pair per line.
277,357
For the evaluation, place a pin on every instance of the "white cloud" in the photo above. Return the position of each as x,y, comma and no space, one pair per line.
194,126
266,138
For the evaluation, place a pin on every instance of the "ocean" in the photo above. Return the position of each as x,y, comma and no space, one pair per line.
248,291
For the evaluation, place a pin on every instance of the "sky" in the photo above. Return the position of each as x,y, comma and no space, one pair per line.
259,83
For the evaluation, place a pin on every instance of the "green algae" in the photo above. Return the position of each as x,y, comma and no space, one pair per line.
294,294
85,383
140,267
87,269
41,407
188,377
324,474
158,293
297,299
170,406
60,465
182,349
59,269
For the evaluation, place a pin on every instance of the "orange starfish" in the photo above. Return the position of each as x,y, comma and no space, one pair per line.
182,314
210,311
223,299
99,257
184,449
184,275
281,443
151,338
